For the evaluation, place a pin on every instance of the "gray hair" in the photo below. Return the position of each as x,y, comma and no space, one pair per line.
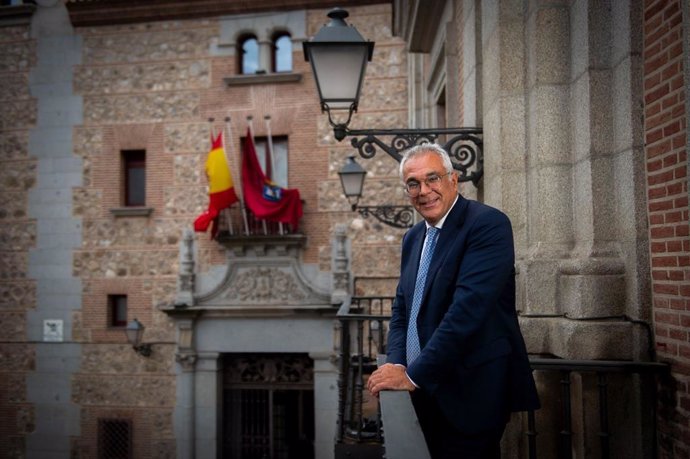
423,149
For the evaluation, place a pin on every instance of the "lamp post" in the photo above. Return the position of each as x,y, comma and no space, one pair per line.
352,177
338,55
135,333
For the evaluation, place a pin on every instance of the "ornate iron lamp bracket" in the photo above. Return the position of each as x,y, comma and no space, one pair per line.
464,145
396,216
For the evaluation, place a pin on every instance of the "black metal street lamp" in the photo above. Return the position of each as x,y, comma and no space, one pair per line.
135,333
338,55
352,177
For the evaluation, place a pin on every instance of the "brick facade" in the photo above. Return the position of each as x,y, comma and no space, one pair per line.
154,86
667,181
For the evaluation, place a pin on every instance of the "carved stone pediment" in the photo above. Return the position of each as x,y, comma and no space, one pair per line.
262,275
263,283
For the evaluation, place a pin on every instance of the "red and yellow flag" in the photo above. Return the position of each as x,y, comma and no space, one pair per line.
221,190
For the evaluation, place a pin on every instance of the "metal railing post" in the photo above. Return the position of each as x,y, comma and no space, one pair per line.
603,415
531,435
566,432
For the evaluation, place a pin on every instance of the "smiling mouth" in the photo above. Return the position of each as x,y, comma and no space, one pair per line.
428,204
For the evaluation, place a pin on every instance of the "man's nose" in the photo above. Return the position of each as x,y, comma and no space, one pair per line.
422,185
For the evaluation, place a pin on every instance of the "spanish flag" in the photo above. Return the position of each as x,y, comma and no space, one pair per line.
221,191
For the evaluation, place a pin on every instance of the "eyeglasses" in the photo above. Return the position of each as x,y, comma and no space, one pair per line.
413,187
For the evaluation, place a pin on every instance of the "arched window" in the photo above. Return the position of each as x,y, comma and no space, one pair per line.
282,52
248,48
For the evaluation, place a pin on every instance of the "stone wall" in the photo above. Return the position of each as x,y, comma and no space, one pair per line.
17,237
72,102
557,87
142,88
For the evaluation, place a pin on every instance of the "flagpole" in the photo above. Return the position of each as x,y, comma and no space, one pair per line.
238,189
213,137
225,212
269,157
267,119
250,122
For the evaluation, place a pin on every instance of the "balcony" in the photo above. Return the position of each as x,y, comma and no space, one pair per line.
590,408
239,229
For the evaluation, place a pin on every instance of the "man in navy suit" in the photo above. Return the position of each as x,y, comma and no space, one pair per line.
463,358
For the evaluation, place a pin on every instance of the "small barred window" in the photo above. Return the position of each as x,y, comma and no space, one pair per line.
115,439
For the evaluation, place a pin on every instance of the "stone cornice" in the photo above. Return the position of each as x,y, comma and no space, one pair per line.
131,211
107,12
263,78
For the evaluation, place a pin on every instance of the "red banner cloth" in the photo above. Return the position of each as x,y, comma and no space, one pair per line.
264,198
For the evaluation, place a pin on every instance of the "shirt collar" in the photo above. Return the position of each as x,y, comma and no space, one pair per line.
440,223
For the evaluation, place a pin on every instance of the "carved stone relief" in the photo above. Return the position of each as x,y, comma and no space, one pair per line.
265,286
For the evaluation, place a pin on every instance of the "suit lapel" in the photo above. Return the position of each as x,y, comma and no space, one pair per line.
445,238
409,274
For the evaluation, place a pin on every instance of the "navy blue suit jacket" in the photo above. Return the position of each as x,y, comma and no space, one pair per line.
473,361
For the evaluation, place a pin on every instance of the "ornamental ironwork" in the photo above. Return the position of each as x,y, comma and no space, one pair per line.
395,216
464,146
268,370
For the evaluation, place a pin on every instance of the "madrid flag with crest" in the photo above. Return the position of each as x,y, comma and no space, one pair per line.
264,198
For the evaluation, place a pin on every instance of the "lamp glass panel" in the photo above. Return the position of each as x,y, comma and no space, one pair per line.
133,336
134,332
352,184
338,70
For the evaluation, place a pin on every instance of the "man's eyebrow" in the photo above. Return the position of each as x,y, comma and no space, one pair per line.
429,174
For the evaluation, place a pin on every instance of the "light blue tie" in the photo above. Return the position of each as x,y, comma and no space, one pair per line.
413,347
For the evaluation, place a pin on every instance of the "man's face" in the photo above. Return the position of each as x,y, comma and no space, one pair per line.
432,202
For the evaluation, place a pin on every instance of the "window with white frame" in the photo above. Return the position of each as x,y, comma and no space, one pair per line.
282,52
248,47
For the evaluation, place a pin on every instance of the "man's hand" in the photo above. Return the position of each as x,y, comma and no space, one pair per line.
391,377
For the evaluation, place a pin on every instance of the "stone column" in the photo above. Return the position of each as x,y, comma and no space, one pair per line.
325,404
185,401
416,99
265,55
627,156
549,232
592,282
208,410
184,406
503,109
471,96
605,274
49,386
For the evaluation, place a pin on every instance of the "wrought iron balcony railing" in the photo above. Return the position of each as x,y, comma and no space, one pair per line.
239,222
363,324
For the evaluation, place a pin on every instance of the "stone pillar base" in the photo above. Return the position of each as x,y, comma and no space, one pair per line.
586,339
